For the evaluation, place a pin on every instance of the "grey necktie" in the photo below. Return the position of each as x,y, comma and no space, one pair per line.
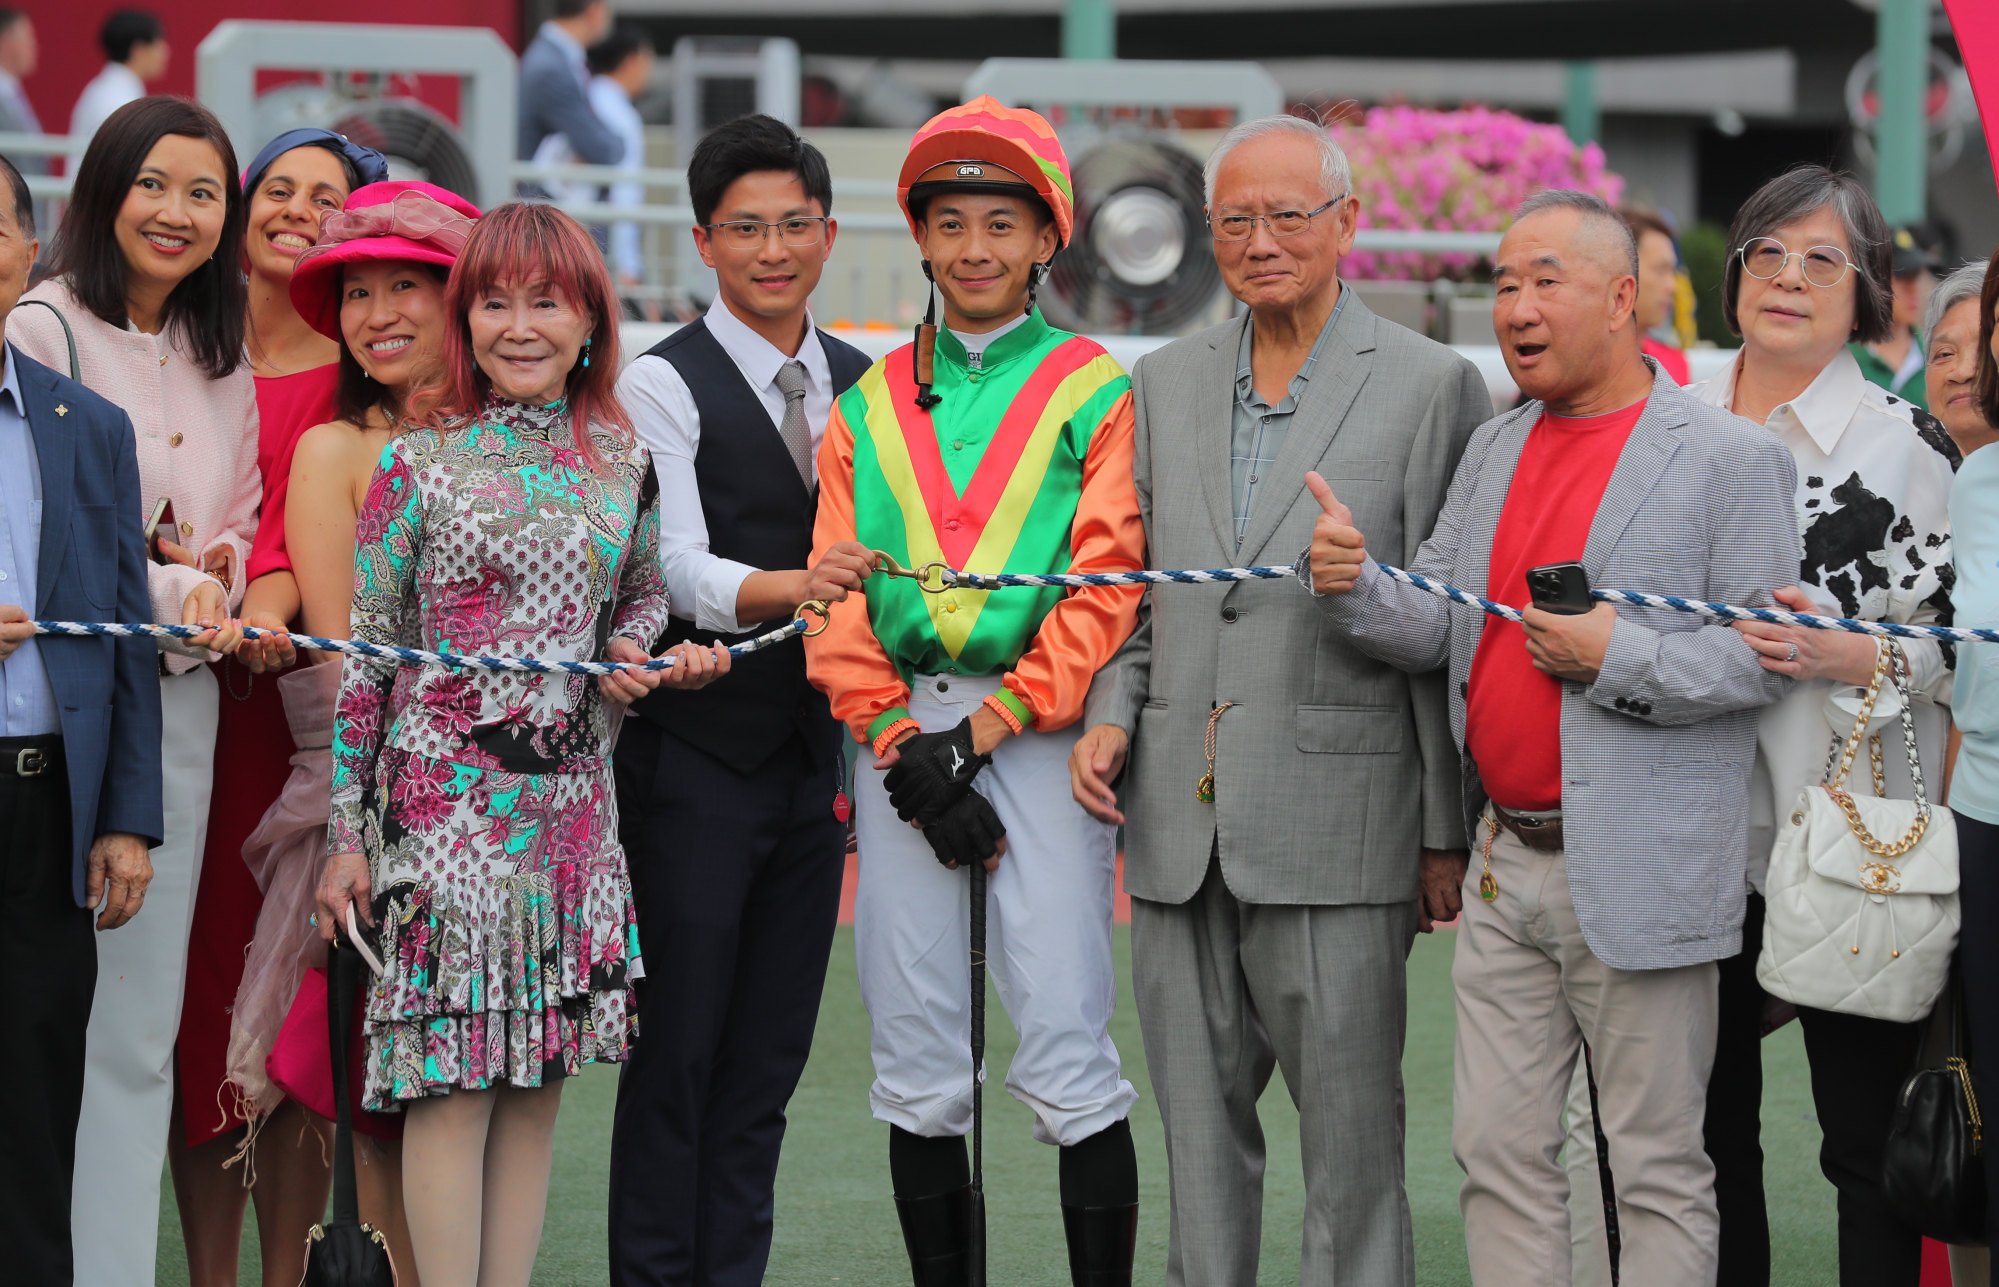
796,433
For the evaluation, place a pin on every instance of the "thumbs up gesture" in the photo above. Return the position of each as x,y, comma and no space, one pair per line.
1338,549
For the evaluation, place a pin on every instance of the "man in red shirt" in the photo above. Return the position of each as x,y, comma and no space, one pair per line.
1606,754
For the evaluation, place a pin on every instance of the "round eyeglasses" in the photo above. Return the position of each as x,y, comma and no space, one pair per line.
1282,223
1765,257
750,234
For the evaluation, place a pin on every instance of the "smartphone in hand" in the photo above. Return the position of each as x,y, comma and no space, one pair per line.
1559,587
161,524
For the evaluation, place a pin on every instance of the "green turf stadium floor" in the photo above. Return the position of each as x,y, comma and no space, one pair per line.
835,1223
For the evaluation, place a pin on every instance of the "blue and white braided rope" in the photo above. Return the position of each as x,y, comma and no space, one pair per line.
949,577
400,656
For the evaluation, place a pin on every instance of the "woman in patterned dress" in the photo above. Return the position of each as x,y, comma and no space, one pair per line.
473,823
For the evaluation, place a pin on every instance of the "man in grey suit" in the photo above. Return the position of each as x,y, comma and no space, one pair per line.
1282,783
555,85
1627,730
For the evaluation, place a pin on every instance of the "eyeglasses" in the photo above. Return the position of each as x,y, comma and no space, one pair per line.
749,234
1282,223
1765,257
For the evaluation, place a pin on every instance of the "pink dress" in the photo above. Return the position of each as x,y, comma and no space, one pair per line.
252,744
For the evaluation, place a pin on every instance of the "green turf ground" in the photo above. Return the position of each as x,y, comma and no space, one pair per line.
835,1223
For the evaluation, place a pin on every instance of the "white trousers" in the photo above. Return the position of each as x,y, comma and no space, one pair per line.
128,1075
1048,942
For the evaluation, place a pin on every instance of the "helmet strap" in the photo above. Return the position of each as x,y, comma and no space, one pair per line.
1034,276
926,347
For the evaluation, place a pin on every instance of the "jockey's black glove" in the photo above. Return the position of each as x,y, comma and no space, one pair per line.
968,832
934,773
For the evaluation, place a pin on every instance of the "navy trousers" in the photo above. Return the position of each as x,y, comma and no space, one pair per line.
737,882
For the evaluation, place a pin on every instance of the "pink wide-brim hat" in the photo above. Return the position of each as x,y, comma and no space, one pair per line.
399,220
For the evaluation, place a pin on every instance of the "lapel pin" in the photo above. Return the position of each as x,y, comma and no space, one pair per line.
61,410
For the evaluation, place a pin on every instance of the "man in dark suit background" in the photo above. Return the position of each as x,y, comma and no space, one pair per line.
79,751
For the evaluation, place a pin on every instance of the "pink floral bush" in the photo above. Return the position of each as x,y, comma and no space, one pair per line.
1455,171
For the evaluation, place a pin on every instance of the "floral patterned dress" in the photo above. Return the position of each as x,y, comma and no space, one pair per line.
483,800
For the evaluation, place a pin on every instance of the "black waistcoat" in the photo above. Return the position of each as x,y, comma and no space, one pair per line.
758,513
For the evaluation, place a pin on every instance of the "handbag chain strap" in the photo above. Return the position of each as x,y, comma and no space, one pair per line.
1891,666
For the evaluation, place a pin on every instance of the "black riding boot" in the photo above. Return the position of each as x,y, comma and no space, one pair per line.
937,1232
937,1219
1100,1207
1101,1240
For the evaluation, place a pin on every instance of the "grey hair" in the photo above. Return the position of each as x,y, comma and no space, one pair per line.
1964,283
1334,171
1594,210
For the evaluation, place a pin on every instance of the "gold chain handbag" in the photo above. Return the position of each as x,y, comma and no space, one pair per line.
1861,898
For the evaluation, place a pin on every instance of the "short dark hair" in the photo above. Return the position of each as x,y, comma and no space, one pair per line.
1988,369
8,17
747,145
24,205
609,54
1802,191
1593,210
572,8
355,393
1641,221
207,310
127,29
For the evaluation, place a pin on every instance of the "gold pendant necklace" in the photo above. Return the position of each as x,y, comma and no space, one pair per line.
1204,790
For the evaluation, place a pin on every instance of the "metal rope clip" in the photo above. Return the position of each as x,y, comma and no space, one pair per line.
819,609
932,578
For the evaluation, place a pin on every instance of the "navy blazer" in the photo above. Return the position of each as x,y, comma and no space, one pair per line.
92,567
553,100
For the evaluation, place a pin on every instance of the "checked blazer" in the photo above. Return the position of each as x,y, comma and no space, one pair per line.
1333,768
1656,754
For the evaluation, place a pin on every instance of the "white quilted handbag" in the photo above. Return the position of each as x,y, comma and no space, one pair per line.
1855,923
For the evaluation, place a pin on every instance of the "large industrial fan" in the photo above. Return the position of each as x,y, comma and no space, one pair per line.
1136,262
362,81
417,141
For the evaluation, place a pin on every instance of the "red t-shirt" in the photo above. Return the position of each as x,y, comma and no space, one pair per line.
287,406
1673,361
1513,712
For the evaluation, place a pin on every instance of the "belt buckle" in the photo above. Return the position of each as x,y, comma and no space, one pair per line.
31,762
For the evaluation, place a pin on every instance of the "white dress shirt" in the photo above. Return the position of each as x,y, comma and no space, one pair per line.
1873,505
704,586
108,91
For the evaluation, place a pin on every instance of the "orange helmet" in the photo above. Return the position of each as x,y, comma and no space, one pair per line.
984,146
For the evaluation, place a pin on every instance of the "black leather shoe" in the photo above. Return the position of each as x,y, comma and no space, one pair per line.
1101,1241
937,1232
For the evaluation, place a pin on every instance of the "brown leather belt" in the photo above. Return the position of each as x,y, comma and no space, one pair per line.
1542,832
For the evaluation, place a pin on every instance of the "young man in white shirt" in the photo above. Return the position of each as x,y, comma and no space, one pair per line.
136,54
730,805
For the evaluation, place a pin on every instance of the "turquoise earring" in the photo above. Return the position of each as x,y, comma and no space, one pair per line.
586,355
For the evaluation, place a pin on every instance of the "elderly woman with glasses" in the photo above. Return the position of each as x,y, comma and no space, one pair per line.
1810,273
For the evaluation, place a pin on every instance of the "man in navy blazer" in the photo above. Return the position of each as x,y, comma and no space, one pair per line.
555,85
80,798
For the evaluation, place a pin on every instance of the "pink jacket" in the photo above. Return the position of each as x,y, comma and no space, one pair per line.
197,437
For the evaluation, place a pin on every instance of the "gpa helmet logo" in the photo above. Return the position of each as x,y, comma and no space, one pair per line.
971,172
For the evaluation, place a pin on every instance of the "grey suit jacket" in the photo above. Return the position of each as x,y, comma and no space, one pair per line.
553,101
1656,754
1332,768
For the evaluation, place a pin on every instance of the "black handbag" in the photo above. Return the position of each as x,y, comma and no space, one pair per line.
1932,1167
343,1252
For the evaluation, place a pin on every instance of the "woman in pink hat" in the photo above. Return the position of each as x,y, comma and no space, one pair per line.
372,287
474,826
292,184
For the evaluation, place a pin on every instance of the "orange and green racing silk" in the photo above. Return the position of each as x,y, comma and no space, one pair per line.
1025,466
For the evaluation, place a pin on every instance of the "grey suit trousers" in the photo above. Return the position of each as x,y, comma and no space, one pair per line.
1228,990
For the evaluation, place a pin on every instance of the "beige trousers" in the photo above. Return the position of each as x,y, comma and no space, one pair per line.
1529,991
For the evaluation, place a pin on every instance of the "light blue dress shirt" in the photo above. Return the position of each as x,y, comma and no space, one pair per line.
27,703
1974,601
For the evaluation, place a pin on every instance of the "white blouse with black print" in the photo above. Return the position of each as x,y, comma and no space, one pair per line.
1874,475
